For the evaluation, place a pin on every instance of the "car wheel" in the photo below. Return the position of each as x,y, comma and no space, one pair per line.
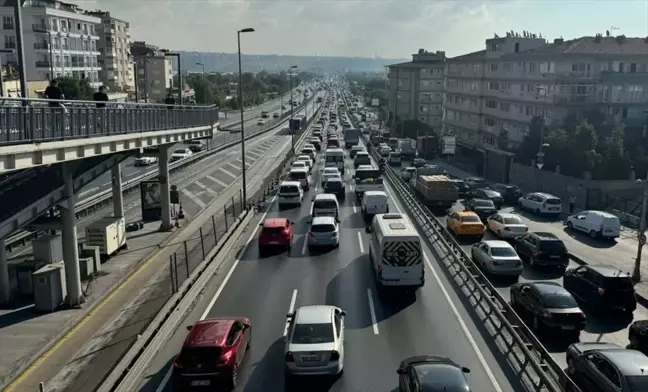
570,226
593,234
499,233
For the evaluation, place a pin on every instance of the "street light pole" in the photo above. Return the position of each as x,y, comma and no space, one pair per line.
203,78
292,134
240,96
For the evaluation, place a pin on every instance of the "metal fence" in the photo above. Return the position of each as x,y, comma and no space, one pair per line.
39,123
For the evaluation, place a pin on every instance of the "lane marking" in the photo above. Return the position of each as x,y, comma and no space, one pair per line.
228,173
89,191
355,209
291,309
372,312
360,242
254,154
206,188
305,246
193,198
216,180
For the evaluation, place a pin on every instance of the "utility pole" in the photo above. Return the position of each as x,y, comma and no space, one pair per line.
641,234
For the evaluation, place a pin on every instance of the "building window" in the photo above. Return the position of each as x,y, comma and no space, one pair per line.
10,42
491,104
7,22
473,102
507,67
493,67
489,122
473,86
493,86
505,107
425,83
533,67
506,87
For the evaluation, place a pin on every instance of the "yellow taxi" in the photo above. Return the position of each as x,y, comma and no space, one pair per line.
465,223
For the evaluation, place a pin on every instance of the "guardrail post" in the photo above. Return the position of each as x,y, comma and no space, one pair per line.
233,208
202,243
41,387
171,274
225,215
214,228
243,202
186,251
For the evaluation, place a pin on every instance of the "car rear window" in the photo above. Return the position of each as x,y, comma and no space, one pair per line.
514,220
470,219
484,203
618,283
549,246
553,201
297,175
180,151
333,185
322,228
559,301
194,356
313,334
273,230
503,252
289,189
491,194
324,204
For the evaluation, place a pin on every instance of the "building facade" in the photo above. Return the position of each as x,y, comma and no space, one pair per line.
415,89
114,47
154,72
60,39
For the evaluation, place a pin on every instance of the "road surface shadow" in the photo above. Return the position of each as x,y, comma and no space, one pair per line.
589,241
154,380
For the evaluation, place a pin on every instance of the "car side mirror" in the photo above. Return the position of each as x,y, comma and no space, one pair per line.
246,326
309,221
189,327
367,229
400,371
261,224
313,199
292,223
465,369
338,220
343,313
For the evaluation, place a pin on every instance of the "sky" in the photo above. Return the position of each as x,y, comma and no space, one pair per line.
365,28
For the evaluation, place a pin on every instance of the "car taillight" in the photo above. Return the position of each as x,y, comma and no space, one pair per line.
177,365
380,272
335,234
539,252
335,356
547,314
601,291
290,357
310,234
494,262
226,356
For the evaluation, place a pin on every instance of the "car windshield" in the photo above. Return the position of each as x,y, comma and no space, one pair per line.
323,228
313,334
638,383
502,252
484,204
513,220
334,158
559,301
299,164
470,219
198,356
303,158
367,173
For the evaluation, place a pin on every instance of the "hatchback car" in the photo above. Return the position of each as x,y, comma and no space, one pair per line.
212,354
483,208
489,194
275,232
323,232
497,258
336,187
428,373
315,342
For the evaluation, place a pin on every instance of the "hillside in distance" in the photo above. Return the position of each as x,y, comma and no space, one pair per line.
228,62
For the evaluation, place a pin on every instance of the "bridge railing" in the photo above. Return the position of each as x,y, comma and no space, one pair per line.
35,121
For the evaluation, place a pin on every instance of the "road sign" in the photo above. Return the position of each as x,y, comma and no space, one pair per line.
539,165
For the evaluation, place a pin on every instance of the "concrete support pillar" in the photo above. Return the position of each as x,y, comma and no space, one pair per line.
69,238
118,197
165,197
5,289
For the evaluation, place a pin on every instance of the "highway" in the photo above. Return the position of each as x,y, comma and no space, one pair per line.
592,251
251,116
380,331
215,179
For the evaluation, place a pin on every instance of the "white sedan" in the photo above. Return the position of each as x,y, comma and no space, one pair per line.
331,170
506,225
330,176
307,159
300,165
261,122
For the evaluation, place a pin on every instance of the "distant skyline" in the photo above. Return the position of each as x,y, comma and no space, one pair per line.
365,28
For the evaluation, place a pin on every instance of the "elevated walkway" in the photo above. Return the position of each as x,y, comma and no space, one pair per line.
34,134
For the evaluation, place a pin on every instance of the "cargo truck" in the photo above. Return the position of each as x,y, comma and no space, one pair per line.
351,137
436,192
407,148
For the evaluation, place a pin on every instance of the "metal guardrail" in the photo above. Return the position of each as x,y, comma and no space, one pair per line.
36,124
99,200
515,340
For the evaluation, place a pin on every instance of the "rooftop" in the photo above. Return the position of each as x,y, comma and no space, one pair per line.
315,314
619,45
209,333
629,362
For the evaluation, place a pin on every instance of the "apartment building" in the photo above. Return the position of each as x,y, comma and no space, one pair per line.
60,39
492,95
114,48
415,89
154,72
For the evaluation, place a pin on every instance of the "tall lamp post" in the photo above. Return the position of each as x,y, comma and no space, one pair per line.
292,134
167,53
203,78
240,97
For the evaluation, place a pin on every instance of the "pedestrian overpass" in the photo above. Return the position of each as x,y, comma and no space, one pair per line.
47,154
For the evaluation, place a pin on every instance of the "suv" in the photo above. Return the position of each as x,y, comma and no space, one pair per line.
196,145
601,288
212,353
542,250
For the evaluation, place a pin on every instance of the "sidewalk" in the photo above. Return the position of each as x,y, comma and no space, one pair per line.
584,250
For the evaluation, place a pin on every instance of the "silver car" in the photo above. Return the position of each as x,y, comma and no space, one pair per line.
324,232
315,342
497,258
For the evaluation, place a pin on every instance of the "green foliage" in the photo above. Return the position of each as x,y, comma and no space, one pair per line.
370,86
76,89
579,146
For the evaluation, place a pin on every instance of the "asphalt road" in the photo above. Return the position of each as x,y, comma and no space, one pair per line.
607,330
380,331
251,116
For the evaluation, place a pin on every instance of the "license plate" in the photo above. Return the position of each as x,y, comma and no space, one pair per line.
554,257
553,209
273,242
310,358
200,383
568,327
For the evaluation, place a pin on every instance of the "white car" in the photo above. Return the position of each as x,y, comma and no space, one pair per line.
497,258
145,161
300,165
314,343
306,159
331,170
506,225
330,176
261,122
180,153
541,203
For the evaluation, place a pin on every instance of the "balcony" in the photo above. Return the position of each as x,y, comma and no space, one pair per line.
10,45
42,64
41,45
39,28
577,100
8,26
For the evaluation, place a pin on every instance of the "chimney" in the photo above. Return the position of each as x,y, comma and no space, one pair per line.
559,41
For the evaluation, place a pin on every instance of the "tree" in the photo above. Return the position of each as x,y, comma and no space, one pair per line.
76,89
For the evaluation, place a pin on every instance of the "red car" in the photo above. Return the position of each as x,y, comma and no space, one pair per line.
212,354
275,232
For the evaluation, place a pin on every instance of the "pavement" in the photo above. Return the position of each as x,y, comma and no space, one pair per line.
620,254
380,330
110,320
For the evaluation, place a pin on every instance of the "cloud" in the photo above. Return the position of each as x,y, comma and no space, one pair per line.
389,28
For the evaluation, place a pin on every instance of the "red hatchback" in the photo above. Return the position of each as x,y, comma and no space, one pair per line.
275,233
212,354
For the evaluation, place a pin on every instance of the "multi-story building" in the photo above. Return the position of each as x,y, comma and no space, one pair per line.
115,58
154,72
415,89
60,39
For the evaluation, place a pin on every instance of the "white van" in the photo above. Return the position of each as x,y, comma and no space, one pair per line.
302,175
374,202
395,252
290,193
598,224
541,203
325,204
335,156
